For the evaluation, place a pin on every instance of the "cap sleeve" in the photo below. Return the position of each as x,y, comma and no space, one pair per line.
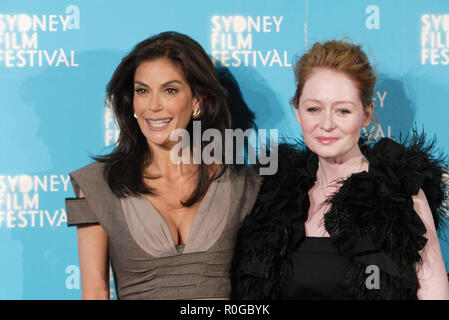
78,210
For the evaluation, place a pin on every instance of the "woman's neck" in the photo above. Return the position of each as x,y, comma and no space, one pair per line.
331,170
163,165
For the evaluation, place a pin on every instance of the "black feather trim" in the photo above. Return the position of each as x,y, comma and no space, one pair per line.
262,259
371,219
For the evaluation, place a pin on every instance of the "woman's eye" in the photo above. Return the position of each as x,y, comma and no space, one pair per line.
344,111
171,90
140,90
312,109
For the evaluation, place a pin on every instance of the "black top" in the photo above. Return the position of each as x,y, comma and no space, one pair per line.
318,272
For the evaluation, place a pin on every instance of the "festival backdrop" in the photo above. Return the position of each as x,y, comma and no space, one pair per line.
56,58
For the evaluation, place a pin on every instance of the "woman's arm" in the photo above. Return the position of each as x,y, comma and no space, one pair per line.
94,261
432,277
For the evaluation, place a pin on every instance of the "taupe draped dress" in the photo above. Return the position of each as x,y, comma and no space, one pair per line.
145,261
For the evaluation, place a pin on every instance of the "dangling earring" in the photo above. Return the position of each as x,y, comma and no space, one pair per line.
196,113
135,116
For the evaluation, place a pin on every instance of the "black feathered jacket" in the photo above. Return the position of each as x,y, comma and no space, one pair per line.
371,220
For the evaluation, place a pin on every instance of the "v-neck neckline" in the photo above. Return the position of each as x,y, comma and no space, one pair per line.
330,196
150,231
199,213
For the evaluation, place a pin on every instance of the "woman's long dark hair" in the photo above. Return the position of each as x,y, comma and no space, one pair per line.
125,165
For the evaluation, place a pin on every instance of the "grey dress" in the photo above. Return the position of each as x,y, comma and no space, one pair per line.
144,259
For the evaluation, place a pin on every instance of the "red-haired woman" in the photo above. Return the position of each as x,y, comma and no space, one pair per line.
343,218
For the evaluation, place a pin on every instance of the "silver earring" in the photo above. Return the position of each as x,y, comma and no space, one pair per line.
135,116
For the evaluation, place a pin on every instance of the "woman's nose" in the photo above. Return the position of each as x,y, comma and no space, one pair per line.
327,121
154,103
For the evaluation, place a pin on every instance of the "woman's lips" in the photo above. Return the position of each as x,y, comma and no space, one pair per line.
158,124
326,140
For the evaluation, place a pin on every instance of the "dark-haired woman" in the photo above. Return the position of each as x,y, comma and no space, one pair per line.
167,227
342,218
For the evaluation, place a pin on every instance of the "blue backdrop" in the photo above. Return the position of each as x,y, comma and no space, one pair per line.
56,58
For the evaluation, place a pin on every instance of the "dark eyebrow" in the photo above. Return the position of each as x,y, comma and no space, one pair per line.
170,82
163,85
141,83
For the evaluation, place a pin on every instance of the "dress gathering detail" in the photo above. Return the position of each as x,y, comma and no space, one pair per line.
371,221
318,272
146,263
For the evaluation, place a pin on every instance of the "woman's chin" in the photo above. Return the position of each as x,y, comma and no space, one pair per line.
324,151
161,142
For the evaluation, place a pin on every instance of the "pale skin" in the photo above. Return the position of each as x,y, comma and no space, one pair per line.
161,93
331,114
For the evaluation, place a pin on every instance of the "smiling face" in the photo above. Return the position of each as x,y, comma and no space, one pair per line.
331,115
163,100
